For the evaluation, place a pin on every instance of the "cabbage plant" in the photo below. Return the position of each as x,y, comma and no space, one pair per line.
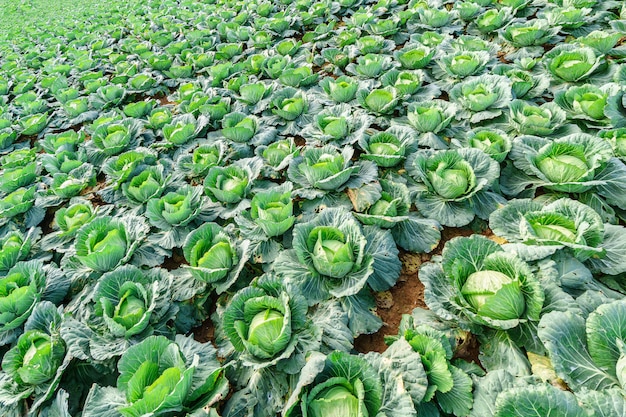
176,213
547,119
123,307
461,64
16,246
501,394
576,163
432,116
414,56
477,283
292,109
21,289
183,128
340,90
229,187
379,101
195,159
264,321
345,385
571,63
391,210
587,103
268,221
483,97
596,340
442,384
105,243
20,169
453,186
33,367
494,142
118,169
339,125
215,256
388,148
537,230
534,32
319,171
68,220
333,256
161,376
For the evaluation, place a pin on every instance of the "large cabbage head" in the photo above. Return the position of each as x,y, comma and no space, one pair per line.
477,283
263,321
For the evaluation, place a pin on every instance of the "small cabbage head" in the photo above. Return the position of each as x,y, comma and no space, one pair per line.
617,140
20,290
530,119
379,101
70,219
564,223
584,102
451,178
464,63
17,202
102,244
126,300
572,63
144,186
19,176
263,321
159,117
14,247
392,206
227,184
570,161
432,116
386,149
277,152
210,253
414,57
370,65
535,32
113,138
35,358
601,40
340,90
487,291
289,104
272,210
493,142
456,184
481,93
181,130
493,19
332,252
324,168
159,376
239,127
176,208
252,93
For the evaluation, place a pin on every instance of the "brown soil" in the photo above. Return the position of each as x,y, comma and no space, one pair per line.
407,294
164,101
205,333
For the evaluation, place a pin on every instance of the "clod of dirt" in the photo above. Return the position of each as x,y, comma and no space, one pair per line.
384,299
411,263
